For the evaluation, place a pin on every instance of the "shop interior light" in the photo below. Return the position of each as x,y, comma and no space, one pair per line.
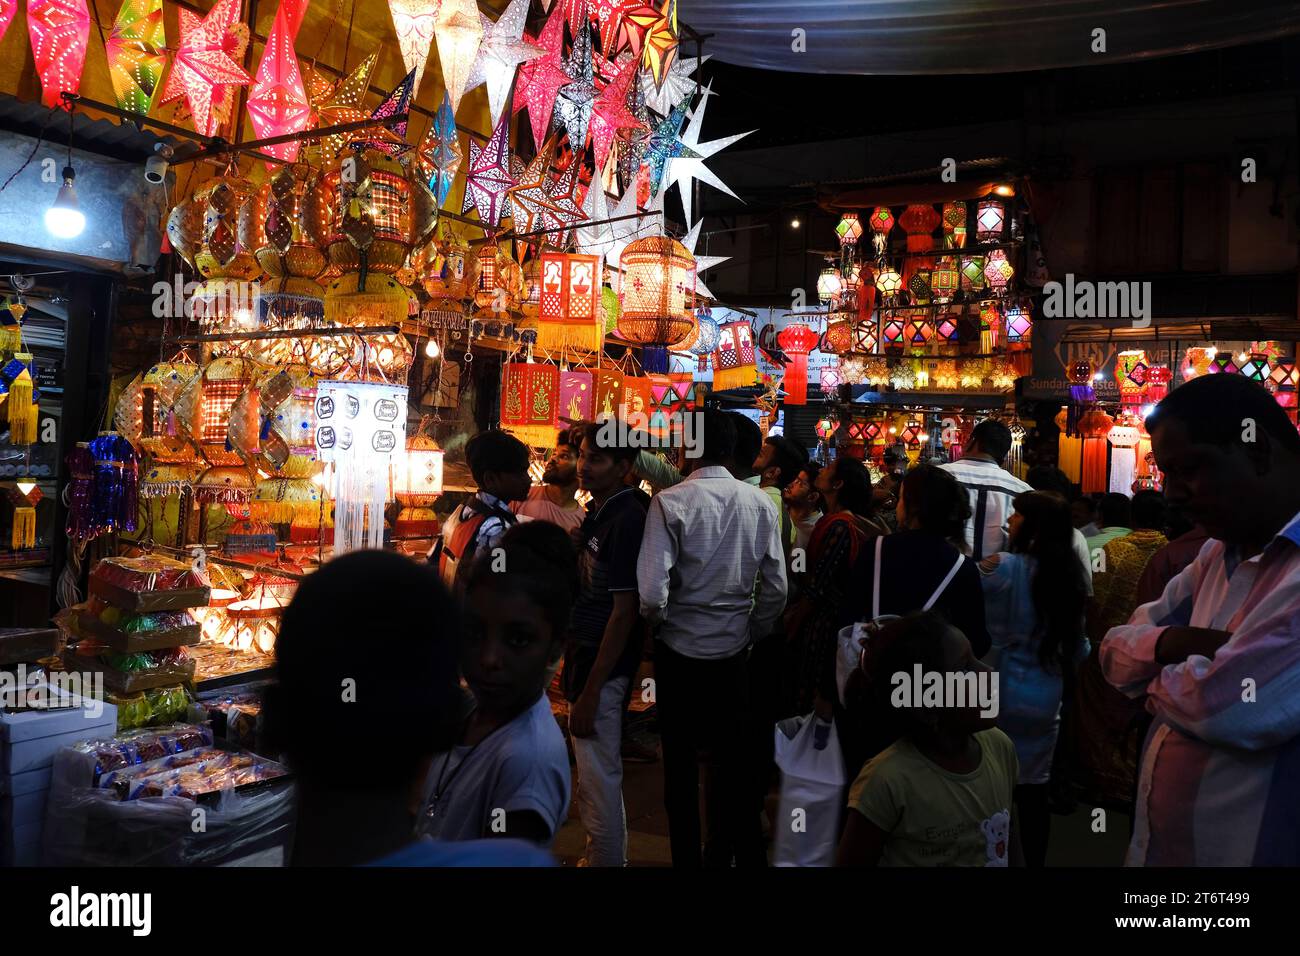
794,223
431,349
65,219
1098,377
1005,189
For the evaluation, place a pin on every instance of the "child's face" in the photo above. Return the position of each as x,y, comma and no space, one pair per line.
507,648
959,658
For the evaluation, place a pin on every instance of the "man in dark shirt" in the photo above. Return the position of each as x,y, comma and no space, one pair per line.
605,640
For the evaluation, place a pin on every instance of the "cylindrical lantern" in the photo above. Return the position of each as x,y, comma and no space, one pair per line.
797,341
289,218
658,293
733,362
417,483
989,220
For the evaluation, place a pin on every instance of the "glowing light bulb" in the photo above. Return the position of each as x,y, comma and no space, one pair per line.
64,218
431,349
794,223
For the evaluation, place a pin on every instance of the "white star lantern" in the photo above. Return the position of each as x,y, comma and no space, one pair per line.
677,84
701,262
502,52
683,170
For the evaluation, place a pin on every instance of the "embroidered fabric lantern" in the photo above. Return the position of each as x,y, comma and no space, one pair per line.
163,479
972,273
225,485
797,340
569,310
849,230
1158,380
20,397
989,220
417,483
530,401
998,271
881,223
944,280
658,291
733,362
954,225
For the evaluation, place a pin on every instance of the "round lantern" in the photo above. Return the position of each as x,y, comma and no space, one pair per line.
839,333
881,223
706,339
989,220
829,284
288,228
370,225
998,270
849,229
658,292
888,282
417,483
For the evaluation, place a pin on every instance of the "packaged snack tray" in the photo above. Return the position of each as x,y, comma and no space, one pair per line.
89,760
130,673
129,632
148,584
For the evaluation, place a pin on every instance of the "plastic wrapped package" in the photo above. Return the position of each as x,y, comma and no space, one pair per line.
160,705
195,806
132,672
128,632
235,715
148,584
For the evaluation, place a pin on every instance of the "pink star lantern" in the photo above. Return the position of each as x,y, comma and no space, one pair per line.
7,10
610,113
487,179
277,102
540,80
58,30
206,67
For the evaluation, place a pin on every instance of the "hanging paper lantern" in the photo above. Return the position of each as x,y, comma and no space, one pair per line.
917,328
657,297
1256,368
611,308
277,101
824,429
972,273
829,284
708,332
919,222
203,408
849,230
998,270
23,535
945,376
1223,362
839,334
881,223
417,484
970,373
892,329
413,22
577,396
288,223
1093,427
875,372
989,220
162,436
954,225
1018,324
370,226
58,30
866,337
445,272
831,379
902,376
1003,375
458,29
530,400
207,66
888,282
20,398
733,362
1284,379
569,310
944,280
919,287
948,327
797,340
1159,378
136,51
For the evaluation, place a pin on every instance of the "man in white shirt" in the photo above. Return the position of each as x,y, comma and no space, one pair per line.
991,488
708,540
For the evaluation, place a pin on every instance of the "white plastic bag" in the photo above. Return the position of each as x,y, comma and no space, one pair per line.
812,793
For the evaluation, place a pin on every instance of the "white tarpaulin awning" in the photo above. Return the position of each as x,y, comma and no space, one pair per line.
971,36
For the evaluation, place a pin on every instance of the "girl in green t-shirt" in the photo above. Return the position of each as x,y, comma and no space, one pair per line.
942,793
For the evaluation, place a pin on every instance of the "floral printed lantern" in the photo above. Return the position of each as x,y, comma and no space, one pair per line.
797,341
658,292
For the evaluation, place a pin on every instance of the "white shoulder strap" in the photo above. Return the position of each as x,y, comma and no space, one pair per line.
875,579
943,585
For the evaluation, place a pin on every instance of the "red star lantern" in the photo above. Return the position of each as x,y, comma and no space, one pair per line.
206,68
610,114
277,103
7,10
58,30
796,341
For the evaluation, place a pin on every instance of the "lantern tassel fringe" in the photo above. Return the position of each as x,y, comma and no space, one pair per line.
586,335
741,377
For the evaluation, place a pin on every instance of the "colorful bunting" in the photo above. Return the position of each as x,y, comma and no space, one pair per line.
135,50
459,32
414,22
500,55
206,69
277,102
58,30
